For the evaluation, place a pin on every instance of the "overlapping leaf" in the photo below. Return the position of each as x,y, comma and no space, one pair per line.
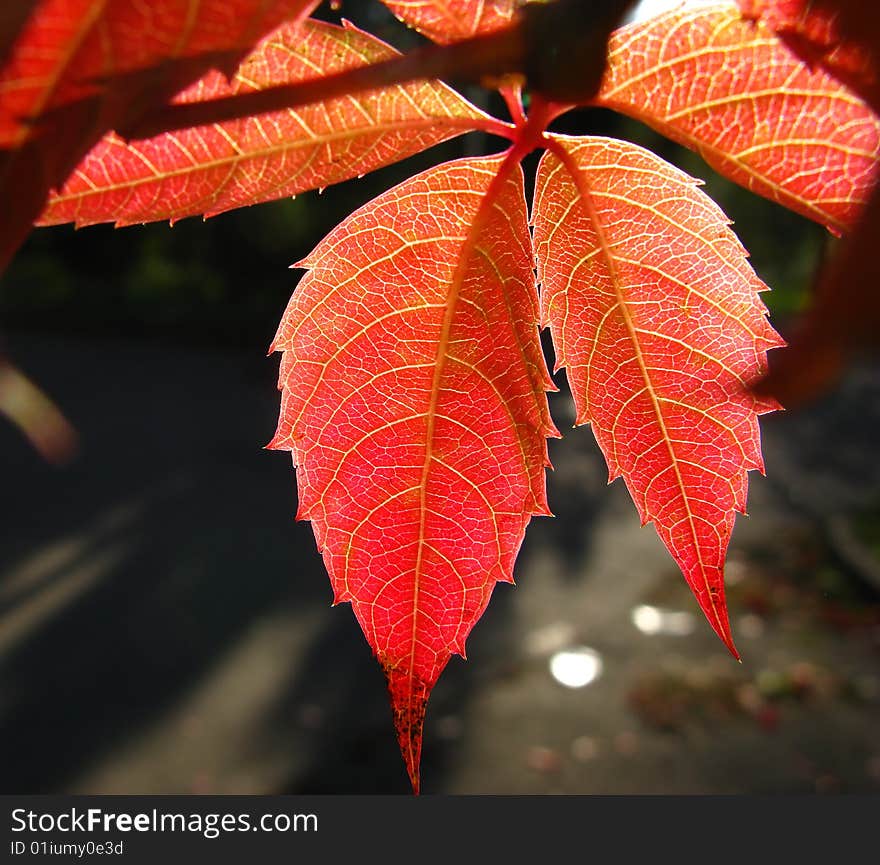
843,318
551,45
81,67
413,402
215,168
732,90
448,20
558,47
842,35
655,314
71,50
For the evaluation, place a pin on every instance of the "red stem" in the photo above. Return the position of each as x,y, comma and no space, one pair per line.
512,95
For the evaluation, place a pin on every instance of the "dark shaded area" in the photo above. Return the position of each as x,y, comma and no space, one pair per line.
137,532
165,626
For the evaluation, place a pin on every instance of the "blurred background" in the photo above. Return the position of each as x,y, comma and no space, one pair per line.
165,625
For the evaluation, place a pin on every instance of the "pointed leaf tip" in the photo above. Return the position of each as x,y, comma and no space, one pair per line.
409,698
413,401
658,349
715,608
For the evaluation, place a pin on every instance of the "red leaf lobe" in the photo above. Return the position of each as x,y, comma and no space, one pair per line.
654,313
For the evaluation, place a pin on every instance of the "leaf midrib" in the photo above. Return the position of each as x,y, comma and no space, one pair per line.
585,194
464,124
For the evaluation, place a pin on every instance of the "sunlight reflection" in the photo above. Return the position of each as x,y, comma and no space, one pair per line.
654,620
576,667
649,8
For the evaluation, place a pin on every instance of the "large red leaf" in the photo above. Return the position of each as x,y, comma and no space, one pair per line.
413,402
732,90
655,314
84,66
215,168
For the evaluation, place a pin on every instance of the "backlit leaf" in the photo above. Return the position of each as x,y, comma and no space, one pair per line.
215,168
413,402
84,66
842,35
843,317
449,20
734,92
655,315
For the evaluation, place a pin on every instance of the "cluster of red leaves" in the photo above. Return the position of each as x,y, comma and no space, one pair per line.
75,69
413,382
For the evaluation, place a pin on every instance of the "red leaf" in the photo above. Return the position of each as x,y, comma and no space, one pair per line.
449,20
215,168
85,66
841,35
413,401
735,93
654,312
